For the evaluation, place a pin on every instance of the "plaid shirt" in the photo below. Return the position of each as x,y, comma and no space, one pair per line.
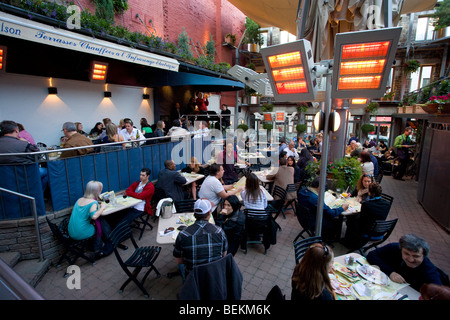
200,243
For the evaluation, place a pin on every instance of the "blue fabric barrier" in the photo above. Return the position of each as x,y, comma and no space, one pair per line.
24,179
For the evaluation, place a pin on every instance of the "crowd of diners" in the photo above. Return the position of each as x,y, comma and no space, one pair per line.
216,195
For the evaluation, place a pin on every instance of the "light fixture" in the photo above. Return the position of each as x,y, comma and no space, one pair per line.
107,94
99,71
256,81
362,62
359,101
289,69
145,96
51,88
2,58
333,124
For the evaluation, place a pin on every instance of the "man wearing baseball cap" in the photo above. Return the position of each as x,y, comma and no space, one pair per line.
202,242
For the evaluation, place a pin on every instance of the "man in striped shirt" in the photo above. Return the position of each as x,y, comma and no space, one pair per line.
202,242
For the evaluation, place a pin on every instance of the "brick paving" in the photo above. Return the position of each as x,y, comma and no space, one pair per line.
260,272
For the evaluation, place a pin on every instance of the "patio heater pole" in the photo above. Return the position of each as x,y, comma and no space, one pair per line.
324,156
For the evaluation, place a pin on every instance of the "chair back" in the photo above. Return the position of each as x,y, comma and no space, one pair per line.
184,206
379,177
306,220
387,197
121,233
158,195
279,192
379,233
256,221
291,188
301,246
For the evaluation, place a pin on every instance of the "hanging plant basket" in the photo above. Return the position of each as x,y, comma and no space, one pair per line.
433,108
411,66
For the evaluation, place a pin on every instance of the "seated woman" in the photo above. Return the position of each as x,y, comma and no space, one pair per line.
232,221
96,130
366,163
228,158
310,280
112,135
194,167
252,196
79,126
297,171
85,214
382,147
358,226
145,128
362,187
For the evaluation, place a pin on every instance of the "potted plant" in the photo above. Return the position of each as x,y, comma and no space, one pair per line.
243,127
411,66
441,16
252,37
438,104
301,127
268,126
367,128
389,96
372,108
345,172
230,39
267,107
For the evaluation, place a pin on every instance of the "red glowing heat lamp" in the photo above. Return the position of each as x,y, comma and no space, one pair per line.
289,69
2,58
99,71
362,62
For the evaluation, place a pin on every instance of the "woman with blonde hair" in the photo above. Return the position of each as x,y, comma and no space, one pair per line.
86,213
310,280
194,167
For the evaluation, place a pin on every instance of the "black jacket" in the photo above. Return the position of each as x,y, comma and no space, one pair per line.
171,182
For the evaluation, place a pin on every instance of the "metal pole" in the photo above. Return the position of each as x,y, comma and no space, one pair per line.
324,156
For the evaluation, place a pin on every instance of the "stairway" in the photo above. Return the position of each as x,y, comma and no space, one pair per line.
29,270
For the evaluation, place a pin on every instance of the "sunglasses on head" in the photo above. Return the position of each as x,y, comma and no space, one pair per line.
322,245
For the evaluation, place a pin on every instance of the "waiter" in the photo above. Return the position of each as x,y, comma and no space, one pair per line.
403,144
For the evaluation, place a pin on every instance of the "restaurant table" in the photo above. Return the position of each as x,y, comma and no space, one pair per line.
192,177
337,201
174,222
262,176
361,287
122,203
241,183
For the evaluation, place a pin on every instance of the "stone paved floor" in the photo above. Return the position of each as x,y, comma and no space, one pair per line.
260,272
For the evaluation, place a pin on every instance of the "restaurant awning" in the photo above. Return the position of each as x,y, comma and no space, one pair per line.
326,18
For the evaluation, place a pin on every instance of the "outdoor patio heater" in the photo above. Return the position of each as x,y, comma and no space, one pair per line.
359,69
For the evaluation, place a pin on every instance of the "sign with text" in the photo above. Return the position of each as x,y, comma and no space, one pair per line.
20,28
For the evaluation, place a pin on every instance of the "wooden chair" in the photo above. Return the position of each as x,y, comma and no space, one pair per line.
142,257
301,246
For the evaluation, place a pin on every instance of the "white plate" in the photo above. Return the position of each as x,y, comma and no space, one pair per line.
373,274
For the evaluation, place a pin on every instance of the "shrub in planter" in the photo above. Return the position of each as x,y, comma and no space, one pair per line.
366,128
243,127
301,127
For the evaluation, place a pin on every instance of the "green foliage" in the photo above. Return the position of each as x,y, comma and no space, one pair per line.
411,66
425,94
367,127
184,49
346,172
232,38
302,107
252,34
267,107
49,9
372,108
251,66
104,9
210,49
120,6
442,15
243,127
443,88
301,127
268,126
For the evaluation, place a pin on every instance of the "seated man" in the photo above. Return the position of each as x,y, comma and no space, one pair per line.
358,226
171,181
290,150
11,143
74,139
201,242
308,197
213,190
177,130
142,189
406,262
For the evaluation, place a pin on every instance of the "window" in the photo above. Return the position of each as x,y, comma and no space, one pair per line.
420,78
424,29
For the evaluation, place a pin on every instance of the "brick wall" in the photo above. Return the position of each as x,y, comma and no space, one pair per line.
200,18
